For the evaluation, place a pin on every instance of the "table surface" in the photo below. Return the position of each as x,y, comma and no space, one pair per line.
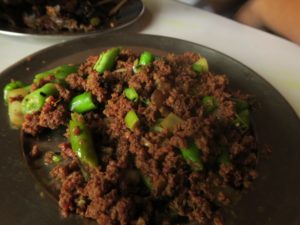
274,58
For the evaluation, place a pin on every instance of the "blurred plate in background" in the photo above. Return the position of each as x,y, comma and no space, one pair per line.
11,24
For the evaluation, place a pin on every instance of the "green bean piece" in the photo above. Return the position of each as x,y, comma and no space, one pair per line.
146,101
157,127
106,60
11,86
27,87
82,103
209,103
242,119
136,66
147,182
81,140
23,91
171,121
56,158
146,58
131,119
15,114
241,105
60,73
95,21
201,65
131,94
34,101
193,157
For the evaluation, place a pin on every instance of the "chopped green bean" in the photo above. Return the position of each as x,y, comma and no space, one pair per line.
95,21
210,104
131,94
146,58
27,87
106,60
171,121
157,127
60,73
81,140
136,66
23,91
201,65
242,119
193,157
146,101
11,86
15,114
241,105
147,182
82,103
56,158
131,119
34,101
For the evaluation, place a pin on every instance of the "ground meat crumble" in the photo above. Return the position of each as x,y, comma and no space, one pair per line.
142,177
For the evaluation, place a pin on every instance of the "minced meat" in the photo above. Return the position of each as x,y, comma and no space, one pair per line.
143,177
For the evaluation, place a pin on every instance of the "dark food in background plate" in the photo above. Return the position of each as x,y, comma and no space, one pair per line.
149,140
63,15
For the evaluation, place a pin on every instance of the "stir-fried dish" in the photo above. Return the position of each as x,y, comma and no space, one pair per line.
148,139
66,15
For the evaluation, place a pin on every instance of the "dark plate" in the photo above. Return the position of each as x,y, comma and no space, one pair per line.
274,198
128,14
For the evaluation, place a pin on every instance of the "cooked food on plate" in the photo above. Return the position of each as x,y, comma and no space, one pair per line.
148,139
66,15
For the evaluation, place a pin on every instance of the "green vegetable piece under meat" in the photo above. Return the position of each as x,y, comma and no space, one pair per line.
60,73
131,119
22,92
241,105
157,127
193,157
106,60
82,103
171,121
243,119
146,58
81,140
146,101
56,158
34,101
136,66
11,86
210,104
147,182
95,21
201,65
15,114
131,94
